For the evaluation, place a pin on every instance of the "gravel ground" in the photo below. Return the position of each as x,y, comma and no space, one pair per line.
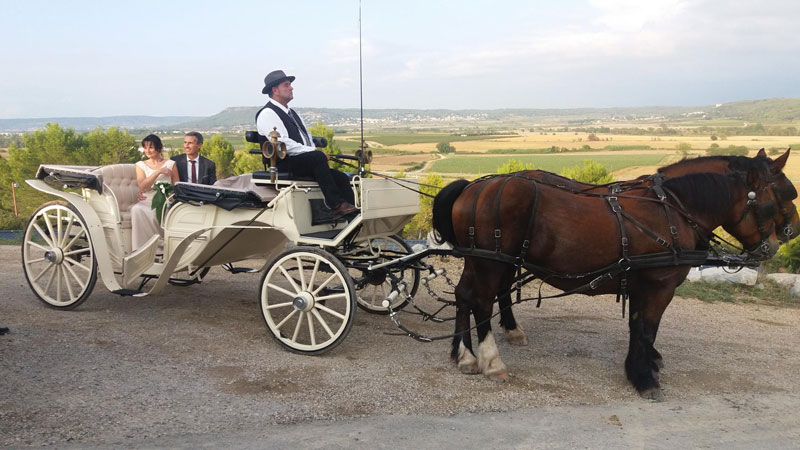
198,361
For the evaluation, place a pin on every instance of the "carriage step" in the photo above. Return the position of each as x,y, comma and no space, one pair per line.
126,292
328,234
241,270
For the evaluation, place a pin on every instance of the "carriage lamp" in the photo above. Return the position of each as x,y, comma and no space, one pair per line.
273,149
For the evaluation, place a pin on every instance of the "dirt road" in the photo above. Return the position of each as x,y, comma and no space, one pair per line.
195,367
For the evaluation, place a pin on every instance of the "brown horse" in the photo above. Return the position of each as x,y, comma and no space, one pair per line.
547,226
788,225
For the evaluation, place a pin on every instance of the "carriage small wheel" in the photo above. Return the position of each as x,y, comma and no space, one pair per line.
307,300
58,256
374,286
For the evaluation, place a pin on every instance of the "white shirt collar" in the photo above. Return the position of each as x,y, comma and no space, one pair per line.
283,108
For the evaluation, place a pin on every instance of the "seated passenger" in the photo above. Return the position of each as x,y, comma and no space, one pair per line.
303,158
144,224
191,166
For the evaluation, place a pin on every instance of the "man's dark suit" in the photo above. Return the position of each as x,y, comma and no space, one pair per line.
206,169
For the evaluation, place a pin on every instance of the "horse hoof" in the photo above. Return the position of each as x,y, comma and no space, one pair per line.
499,376
469,368
516,337
654,394
659,363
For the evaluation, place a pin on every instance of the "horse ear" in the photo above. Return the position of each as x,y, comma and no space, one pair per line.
761,152
778,164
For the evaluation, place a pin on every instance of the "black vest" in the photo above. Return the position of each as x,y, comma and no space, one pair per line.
288,122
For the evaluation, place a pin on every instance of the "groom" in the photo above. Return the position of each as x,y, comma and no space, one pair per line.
191,166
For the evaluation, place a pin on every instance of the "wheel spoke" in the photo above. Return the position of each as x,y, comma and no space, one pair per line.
42,248
279,305
289,316
50,280
75,252
31,261
297,327
313,275
44,236
68,230
59,228
311,329
329,297
78,280
76,263
325,283
322,322
67,283
281,290
329,311
302,275
58,284
75,238
290,279
50,229
36,278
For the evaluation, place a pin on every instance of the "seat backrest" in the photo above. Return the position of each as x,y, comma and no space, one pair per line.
121,179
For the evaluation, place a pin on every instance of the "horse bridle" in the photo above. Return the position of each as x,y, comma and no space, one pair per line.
760,250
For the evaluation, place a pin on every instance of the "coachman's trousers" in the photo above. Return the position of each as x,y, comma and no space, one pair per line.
335,185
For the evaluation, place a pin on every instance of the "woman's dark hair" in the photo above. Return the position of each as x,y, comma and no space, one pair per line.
155,140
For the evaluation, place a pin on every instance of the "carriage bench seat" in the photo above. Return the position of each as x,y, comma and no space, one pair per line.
224,197
282,177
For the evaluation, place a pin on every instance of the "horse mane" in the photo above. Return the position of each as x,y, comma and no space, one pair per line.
708,192
737,163
443,211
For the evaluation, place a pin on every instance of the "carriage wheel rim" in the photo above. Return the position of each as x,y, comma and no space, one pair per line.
308,309
58,256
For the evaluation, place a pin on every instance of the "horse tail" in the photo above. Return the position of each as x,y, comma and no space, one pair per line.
443,211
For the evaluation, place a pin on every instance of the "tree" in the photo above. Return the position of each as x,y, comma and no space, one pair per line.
513,165
222,153
111,146
420,225
244,162
591,172
445,147
684,146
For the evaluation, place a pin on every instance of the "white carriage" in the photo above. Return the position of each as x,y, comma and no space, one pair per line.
316,270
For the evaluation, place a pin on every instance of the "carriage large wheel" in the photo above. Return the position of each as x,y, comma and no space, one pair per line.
307,300
58,257
374,286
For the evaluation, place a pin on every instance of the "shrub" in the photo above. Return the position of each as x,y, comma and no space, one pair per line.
591,172
513,165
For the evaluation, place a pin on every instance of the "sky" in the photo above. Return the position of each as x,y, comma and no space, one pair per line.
82,58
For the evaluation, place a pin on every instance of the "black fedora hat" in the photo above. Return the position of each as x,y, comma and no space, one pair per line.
274,78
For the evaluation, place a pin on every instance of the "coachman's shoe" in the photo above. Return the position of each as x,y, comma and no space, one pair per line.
344,208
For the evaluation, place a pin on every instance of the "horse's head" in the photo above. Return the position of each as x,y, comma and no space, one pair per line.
763,215
785,194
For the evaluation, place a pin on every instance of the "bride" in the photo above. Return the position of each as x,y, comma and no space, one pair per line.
155,168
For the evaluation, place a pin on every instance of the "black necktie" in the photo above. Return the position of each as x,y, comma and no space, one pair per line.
300,126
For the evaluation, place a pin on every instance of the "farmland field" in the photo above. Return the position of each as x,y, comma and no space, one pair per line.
550,163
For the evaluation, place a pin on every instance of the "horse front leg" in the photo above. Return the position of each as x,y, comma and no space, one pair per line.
643,362
461,348
515,335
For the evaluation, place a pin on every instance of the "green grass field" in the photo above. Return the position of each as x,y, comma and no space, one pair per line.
550,163
421,138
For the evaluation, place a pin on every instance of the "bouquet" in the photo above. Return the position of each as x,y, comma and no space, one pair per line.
162,190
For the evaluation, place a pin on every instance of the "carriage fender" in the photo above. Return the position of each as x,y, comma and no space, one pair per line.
94,226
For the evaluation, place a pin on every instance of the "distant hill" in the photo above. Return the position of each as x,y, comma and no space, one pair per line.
243,117
90,123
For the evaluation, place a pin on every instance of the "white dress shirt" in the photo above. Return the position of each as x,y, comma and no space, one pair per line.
268,119
189,168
